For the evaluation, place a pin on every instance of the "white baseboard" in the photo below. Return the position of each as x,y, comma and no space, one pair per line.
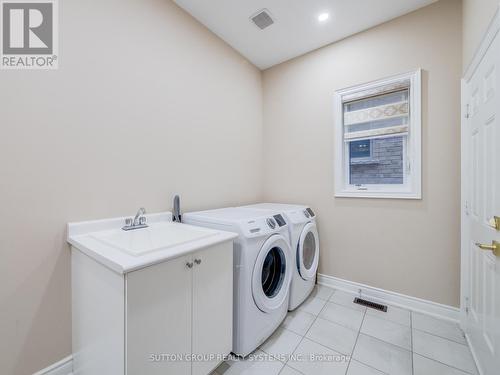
63,367
392,298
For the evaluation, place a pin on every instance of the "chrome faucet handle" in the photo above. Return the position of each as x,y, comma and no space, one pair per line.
138,222
139,214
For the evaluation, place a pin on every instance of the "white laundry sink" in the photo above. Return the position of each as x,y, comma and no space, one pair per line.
158,236
125,251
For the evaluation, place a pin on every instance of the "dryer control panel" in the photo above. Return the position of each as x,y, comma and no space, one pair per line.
280,220
300,216
265,225
308,212
271,223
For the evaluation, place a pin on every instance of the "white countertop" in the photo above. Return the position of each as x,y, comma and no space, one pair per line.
87,237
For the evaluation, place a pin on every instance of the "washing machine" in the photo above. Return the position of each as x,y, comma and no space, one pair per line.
262,270
304,241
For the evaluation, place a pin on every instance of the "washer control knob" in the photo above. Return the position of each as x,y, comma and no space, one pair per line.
271,223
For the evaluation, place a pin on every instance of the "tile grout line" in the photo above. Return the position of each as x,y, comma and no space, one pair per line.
285,365
304,335
347,307
388,343
435,360
441,337
326,299
342,324
356,342
314,321
416,329
432,359
326,347
293,350
376,338
376,316
316,316
445,364
439,321
371,367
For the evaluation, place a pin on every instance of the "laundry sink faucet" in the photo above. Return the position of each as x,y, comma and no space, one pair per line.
138,222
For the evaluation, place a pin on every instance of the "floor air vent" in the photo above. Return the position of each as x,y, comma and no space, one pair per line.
262,19
372,305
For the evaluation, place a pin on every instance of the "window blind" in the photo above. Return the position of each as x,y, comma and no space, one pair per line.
377,115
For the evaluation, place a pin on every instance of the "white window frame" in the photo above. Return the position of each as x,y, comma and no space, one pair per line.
412,185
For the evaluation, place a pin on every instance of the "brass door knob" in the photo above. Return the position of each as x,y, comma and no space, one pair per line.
494,222
495,247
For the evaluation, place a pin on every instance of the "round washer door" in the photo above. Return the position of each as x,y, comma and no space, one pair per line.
272,274
308,252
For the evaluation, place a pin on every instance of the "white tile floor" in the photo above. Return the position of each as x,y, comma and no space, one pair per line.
329,334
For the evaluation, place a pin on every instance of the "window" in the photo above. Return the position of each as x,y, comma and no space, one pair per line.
360,149
377,139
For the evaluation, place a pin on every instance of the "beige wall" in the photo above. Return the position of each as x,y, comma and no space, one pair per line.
405,246
477,15
146,103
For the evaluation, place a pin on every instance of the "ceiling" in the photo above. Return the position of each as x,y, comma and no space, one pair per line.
297,29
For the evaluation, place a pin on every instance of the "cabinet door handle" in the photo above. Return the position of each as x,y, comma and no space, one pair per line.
197,261
189,264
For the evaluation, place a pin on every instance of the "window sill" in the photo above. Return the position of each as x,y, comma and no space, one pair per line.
378,194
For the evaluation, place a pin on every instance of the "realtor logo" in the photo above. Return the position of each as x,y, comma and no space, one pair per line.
29,34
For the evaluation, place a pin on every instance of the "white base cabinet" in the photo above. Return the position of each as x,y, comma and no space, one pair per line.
173,317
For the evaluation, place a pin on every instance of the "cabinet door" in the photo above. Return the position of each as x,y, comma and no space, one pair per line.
212,306
159,304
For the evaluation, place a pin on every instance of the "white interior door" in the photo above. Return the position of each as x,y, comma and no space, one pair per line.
481,190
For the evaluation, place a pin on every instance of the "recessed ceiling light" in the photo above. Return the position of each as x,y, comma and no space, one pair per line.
323,17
